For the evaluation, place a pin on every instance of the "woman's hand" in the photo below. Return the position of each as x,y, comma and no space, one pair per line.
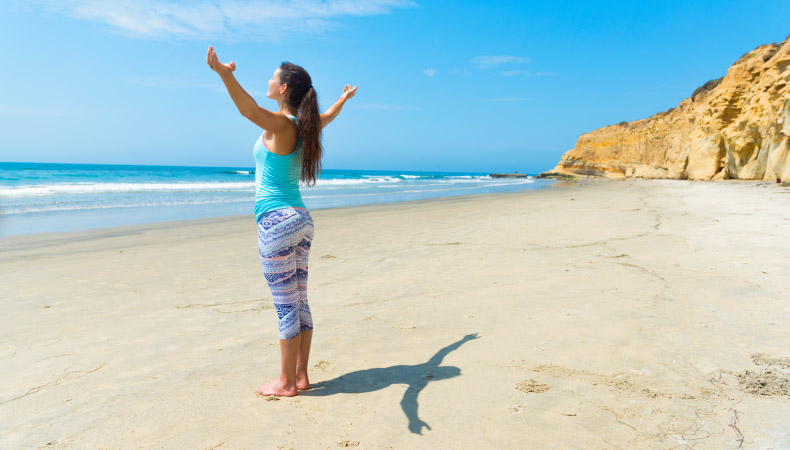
216,66
348,92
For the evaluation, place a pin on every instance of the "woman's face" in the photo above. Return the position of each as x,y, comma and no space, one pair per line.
275,86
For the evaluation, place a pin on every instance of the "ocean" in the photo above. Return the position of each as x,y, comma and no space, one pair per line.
43,198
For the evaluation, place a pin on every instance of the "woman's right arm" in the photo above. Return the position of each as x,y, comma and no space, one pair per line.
244,102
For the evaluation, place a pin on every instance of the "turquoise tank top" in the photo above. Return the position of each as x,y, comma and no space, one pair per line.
277,178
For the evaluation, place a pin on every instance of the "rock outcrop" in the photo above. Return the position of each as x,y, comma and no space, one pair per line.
737,126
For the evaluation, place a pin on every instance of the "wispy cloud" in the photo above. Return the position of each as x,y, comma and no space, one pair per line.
429,72
229,19
488,61
525,73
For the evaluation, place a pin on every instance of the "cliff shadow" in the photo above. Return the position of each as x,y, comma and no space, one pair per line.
416,376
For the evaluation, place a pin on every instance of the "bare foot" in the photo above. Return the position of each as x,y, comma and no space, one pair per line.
302,382
277,388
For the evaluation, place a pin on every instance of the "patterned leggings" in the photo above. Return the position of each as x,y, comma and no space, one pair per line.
284,237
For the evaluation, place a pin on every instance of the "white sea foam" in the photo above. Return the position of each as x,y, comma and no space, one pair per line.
9,211
414,191
487,181
104,188
109,188
381,178
348,181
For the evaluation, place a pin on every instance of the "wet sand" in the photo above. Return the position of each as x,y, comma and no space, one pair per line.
592,315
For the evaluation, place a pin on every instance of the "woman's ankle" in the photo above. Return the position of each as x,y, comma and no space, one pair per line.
286,383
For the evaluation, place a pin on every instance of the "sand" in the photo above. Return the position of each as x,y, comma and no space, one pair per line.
590,315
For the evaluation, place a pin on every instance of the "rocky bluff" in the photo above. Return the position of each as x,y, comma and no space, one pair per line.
737,126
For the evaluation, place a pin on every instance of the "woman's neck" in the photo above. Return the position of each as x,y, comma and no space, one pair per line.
286,109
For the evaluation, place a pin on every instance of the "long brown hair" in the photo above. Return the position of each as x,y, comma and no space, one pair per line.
303,98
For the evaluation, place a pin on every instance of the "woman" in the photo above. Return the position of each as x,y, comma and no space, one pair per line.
288,150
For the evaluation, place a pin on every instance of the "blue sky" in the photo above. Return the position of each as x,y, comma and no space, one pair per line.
445,86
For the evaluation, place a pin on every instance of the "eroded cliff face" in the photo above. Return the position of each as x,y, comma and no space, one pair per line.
735,127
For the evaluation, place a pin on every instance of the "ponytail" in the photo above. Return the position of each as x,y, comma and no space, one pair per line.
305,100
310,129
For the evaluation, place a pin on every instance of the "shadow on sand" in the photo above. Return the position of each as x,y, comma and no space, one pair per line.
416,377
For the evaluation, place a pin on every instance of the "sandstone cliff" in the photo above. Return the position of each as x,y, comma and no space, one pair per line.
735,127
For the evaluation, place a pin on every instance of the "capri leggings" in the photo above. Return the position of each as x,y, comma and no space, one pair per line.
284,237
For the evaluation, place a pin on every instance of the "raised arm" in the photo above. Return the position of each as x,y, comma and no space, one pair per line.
334,110
244,102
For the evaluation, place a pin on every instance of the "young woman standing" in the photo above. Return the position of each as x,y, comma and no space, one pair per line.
288,150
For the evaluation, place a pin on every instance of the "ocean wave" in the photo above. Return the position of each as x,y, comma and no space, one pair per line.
370,179
414,191
488,181
10,211
124,188
382,178
106,188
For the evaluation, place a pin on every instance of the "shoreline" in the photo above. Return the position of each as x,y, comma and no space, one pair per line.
18,241
646,313
72,198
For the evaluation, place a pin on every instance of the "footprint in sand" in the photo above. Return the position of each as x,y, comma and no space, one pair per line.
532,387
323,365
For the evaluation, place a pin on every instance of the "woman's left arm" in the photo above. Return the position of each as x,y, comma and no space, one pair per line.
244,102
334,110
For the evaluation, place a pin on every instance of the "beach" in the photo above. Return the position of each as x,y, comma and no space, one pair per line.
592,314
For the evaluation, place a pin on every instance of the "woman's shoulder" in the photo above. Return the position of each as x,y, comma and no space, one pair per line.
293,119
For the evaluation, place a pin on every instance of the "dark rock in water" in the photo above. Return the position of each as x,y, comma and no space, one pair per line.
554,175
507,175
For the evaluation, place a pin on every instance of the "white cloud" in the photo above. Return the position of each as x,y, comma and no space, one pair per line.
487,61
230,19
429,72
